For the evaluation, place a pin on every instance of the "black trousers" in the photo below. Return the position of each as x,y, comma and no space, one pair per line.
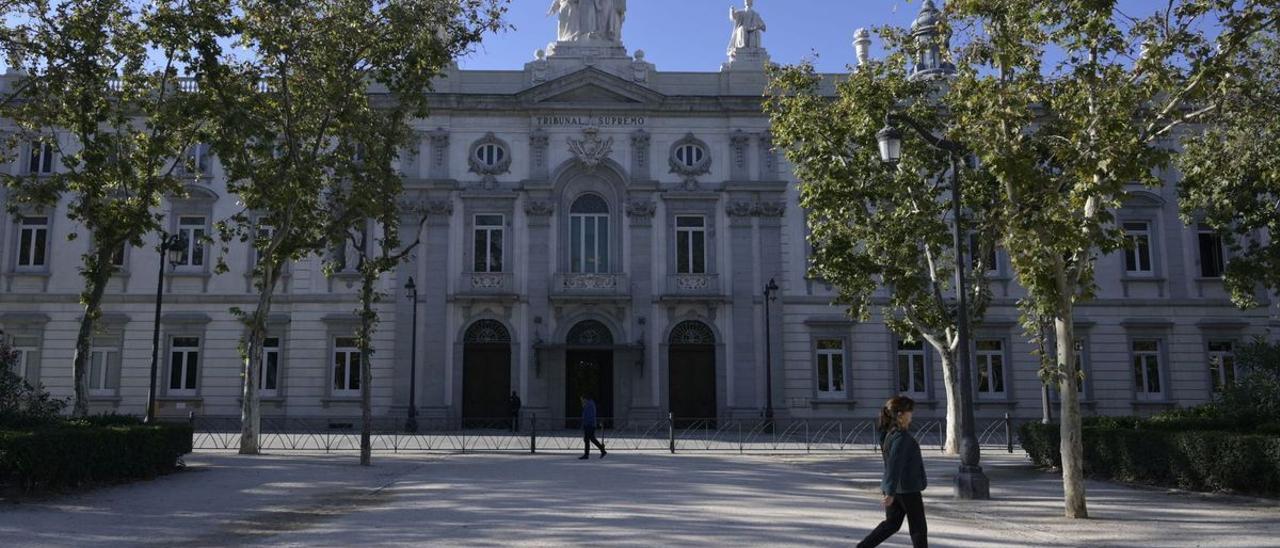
909,506
588,438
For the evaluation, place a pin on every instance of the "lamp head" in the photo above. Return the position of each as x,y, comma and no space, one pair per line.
890,140
175,249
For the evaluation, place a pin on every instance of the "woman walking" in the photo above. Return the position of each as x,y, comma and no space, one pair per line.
903,476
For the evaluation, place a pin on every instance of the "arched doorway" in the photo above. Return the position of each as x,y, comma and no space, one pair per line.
486,374
691,366
588,370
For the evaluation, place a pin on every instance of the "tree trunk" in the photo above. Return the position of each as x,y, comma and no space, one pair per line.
250,408
1072,445
97,279
951,384
366,370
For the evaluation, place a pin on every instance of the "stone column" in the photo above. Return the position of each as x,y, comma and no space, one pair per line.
640,156
640,210
738,167
768,158
770,214
433,290
748,379
411,210
438,164
538,141
538,211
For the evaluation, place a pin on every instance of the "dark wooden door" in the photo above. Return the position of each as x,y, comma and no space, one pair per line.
692,383
588,372
486,385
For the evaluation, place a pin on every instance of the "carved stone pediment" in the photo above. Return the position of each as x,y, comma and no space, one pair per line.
591,86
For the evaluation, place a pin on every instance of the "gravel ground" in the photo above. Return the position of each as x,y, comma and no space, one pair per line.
626,499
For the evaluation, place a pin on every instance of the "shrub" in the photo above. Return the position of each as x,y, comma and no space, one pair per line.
21,404
74,454
108,419
1042,444
1203,460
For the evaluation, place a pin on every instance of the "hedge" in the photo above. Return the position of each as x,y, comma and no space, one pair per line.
1201,460
73,454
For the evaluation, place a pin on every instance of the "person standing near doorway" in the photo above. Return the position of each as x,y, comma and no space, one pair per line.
589,429
513,409
904,477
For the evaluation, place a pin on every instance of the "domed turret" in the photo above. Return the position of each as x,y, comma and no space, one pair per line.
929,49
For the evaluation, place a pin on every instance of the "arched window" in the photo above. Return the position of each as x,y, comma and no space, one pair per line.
589,333
487,332
589,235
692,333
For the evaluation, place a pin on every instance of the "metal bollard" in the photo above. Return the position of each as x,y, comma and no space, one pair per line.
533,434
1008,431
671,432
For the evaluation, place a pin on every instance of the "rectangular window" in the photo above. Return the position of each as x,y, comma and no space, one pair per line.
488,243
990,365
992,259
184,360
1081,372
197,160
691,245
33,238
1146,370
269,372
346,367
589,241
830,368
101,361
117,257
911,369
21,364
265,233
1212,256
1137,256
41,161
192,230
1222,364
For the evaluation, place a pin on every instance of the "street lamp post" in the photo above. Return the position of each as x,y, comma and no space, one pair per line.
411,423
971,482
172,247
770,293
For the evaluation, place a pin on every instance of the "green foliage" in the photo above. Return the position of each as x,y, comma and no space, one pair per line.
1231,169
873,227
71,455
23,405
87,72
1203,460
1257,391
308,100
1252,401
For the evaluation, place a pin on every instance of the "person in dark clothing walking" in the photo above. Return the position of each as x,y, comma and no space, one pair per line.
513,409
904,476
589,429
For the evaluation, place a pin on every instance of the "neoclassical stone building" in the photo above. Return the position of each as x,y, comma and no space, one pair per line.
597,225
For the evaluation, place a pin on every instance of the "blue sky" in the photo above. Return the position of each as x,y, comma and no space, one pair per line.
691,35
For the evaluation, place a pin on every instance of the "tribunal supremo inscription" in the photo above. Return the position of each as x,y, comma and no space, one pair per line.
575,120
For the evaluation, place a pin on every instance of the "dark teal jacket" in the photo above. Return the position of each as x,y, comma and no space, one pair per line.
903,465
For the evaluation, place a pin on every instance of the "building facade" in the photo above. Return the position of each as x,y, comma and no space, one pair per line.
597,226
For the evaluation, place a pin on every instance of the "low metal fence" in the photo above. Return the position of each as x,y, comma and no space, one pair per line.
532,434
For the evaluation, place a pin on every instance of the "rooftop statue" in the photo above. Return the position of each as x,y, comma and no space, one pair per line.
597,20
748,29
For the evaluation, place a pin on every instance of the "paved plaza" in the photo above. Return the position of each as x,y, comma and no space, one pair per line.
626,499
